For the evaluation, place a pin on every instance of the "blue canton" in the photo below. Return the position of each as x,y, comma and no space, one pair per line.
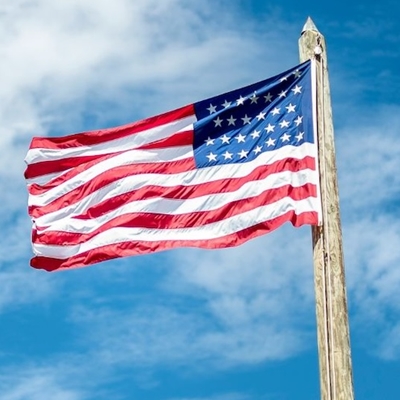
238,126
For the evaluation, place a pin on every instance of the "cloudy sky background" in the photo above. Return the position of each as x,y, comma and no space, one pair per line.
236,324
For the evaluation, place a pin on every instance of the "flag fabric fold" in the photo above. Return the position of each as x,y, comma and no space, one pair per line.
212,174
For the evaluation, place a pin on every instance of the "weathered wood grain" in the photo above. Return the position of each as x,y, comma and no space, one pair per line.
336,378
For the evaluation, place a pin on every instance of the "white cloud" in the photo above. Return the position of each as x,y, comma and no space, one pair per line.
71,380
370,187
389,348
62,59
21,286
368,160
373,260
36,383
155,336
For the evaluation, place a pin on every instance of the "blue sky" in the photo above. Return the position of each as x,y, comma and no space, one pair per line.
236,324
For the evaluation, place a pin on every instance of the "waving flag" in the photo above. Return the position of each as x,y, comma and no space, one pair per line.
212,174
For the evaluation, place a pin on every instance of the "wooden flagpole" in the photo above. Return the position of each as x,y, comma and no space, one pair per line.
336,378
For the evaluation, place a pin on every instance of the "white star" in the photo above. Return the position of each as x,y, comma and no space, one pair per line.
255,134
211,157
212,108
297,73
282,94
231,120
285,137
225,139
297,89
290,108
298,120
268,98
254,98
270,128
217,122
240,138
257,149
299,136
246,120
284,124
209,141
226,104
284,78
261,116
243,154
270,142
240,100
227,155
275,111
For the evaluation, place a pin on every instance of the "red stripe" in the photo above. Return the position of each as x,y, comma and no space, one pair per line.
179,139
91,138
150,191
189,220
125,249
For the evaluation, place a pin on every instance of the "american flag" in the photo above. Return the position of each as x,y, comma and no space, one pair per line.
212,174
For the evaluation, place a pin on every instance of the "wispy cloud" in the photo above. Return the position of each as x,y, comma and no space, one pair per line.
367,160
19,287
36,383
62,59
370,189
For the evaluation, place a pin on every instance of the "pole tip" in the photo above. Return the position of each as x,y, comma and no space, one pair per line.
309,26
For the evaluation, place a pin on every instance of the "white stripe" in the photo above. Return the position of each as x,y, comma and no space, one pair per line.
130,142
128,158
43,179
206,232
62,221
192,177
